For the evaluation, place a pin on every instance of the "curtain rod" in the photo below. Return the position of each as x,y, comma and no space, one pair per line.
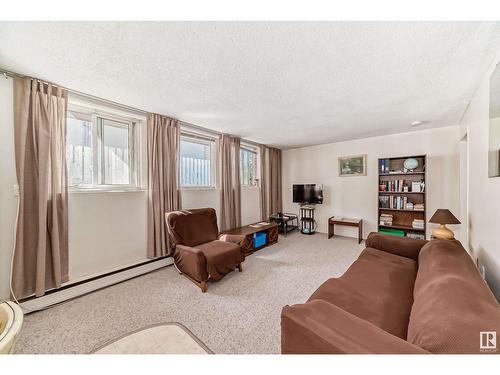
10,74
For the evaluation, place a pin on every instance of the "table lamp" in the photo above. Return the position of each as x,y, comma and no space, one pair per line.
443,217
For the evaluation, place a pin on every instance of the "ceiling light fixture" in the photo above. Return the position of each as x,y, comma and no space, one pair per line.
417,123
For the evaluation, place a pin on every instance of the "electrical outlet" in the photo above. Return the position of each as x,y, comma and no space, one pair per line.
16,190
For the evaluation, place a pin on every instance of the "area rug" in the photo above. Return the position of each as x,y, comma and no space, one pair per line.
168,338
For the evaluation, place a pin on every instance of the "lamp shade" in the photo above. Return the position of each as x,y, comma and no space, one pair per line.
443,216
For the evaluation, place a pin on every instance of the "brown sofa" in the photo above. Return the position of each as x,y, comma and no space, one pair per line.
401,295
200,253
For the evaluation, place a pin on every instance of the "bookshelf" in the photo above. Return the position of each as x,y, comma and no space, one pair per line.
402,194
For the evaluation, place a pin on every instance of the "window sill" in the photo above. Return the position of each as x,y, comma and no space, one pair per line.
249,187
105,190
196,188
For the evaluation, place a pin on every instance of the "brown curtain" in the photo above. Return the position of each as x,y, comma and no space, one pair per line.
41,253
163,182
264,213
230,189
275,199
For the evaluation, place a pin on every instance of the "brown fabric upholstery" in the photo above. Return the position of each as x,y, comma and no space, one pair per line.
199,251
452,302
191,261
222,257
429,293
403,246
378,287
319,327
193,227
234,238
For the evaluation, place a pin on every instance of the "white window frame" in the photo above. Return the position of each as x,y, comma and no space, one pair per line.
256,151
133,124
204,140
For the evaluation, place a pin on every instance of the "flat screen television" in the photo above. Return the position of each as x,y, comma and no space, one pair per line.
308,194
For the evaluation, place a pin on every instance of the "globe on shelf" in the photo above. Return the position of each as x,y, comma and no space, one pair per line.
410,164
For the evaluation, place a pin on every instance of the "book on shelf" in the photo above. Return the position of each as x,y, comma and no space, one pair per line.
384,201
385,219
401,186
418,236
399,203
383,165
418,223
417,186
394,202
419,207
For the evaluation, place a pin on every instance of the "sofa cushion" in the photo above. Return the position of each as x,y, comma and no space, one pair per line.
222,257
377,287
403,246
452,303
192,227
319,327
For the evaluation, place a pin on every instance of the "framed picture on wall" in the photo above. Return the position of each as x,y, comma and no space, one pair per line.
352,165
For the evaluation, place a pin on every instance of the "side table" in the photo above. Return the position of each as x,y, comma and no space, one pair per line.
286,222
347,222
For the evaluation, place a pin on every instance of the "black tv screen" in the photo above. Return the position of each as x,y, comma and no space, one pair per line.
308,194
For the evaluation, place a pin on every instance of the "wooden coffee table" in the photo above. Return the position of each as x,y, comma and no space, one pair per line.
248,231
347,222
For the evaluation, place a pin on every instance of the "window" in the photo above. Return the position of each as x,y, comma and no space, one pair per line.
79,158
248,167
100,150
196,161
116,162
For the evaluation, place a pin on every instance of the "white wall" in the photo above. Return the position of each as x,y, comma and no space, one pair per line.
250,202
197,198
107,230
8,179
484,192
358,196
250,205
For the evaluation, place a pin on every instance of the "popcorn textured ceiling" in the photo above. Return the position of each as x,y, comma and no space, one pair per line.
286,84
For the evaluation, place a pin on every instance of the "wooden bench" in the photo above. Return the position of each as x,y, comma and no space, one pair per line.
347,222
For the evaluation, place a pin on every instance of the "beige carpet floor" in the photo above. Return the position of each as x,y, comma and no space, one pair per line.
239,314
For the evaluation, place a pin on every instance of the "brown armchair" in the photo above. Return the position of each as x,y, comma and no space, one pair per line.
200,253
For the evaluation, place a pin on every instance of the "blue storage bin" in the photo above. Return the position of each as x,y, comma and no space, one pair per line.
259,239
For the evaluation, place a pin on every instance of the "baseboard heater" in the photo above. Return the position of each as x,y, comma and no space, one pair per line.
80,288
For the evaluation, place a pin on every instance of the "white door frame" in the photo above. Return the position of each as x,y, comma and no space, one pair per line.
464,190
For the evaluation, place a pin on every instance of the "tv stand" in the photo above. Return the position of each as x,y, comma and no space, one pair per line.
307,221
